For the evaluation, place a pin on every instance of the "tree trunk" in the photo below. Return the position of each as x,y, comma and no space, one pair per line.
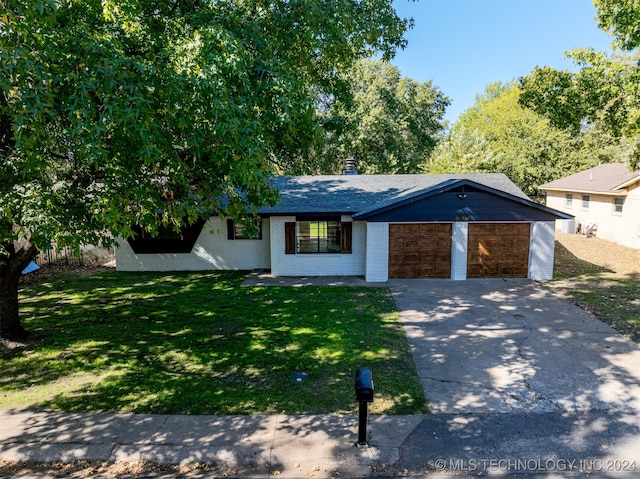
10,272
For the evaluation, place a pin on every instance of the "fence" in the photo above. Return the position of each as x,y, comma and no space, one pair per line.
65,256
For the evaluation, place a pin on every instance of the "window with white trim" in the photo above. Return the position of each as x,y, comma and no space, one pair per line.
569,203
618,204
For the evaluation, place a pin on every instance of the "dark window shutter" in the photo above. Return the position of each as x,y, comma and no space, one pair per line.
345,240
290,237
231,228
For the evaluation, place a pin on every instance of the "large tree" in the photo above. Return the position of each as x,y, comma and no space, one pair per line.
389,124
605,90
462,151
149,113
497,134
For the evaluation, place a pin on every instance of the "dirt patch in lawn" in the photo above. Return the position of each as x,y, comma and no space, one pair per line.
600,277
598,252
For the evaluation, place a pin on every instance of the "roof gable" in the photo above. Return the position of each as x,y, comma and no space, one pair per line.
462,200
607,178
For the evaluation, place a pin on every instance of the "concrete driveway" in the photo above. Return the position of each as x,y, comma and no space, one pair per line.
502,346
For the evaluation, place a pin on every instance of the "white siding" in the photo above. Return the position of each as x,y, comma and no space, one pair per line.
322,264
377,269
541,250
459,247
622,228
212,251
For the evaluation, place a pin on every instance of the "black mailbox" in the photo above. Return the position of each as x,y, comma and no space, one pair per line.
364,385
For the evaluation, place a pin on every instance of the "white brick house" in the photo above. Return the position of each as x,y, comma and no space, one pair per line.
376,226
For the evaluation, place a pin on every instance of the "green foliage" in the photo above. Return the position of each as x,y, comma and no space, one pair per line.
498,134
389,125
462,151
199,343
621,20
526,144
134,112
605,90
137,112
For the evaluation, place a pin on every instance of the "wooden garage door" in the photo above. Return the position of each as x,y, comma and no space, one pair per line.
420,250
498,250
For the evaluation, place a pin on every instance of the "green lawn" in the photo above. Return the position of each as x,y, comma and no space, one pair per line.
612,297
199,343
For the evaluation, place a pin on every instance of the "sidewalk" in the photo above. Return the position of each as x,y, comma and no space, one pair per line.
246,446
264,278
558,445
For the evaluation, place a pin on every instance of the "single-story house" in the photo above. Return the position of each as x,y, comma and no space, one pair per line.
376,226
607,196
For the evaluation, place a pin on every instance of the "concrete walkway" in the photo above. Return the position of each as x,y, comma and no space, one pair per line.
246,446
265,278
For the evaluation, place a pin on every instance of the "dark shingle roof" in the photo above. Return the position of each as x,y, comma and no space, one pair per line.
351,194
605,178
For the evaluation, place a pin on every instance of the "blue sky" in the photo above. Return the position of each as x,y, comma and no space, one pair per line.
463,45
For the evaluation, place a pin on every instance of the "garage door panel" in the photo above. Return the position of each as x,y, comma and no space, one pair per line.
420,250
442,271
498,250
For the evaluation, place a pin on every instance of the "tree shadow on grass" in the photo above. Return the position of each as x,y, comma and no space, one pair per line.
567,265
612,298
200,344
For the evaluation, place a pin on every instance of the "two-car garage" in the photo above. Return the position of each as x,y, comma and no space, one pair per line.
424,250
461,229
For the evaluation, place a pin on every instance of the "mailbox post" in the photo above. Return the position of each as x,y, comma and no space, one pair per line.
364,395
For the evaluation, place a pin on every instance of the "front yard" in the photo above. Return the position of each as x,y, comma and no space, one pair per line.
199,343
601,277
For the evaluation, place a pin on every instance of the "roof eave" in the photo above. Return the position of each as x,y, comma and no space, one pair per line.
628,183
268,214
591,192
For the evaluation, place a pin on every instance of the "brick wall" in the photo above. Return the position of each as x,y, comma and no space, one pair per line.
212,251
321,264
377,267
541,250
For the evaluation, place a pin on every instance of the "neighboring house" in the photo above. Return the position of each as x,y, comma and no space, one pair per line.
376,226
607,196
